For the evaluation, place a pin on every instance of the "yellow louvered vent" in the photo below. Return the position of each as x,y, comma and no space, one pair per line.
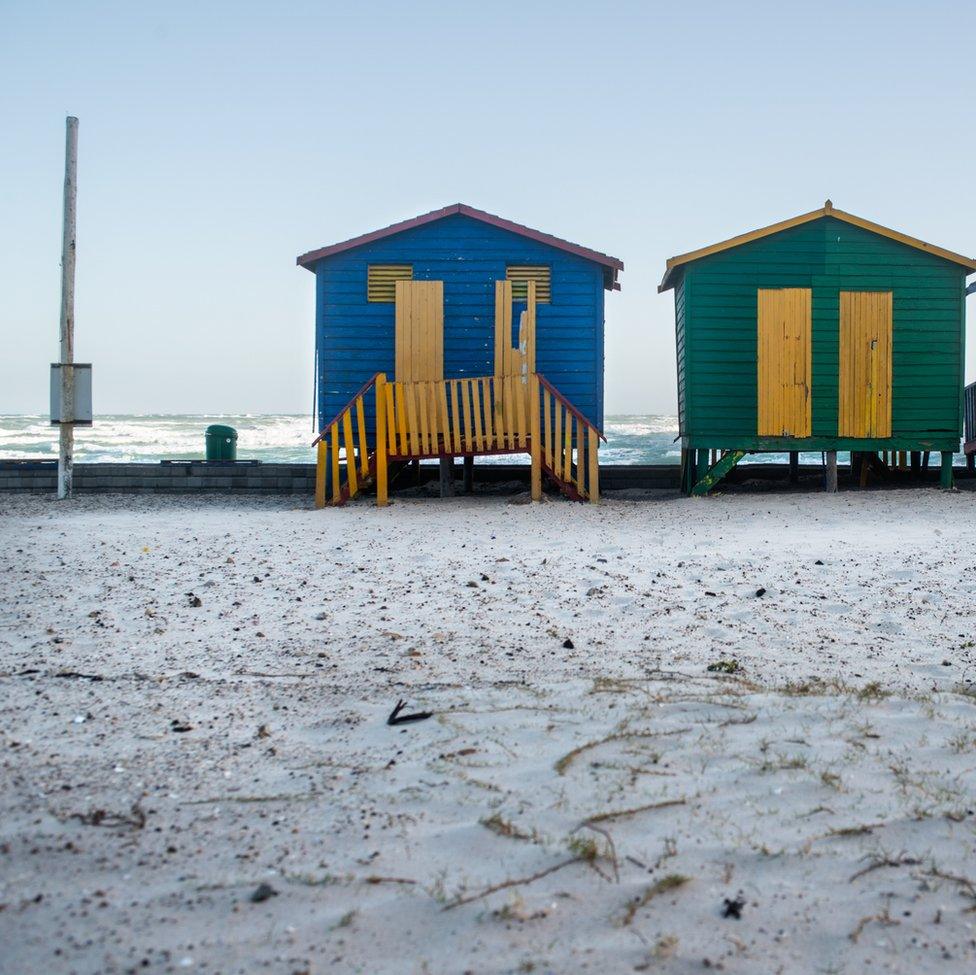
382,279
518,274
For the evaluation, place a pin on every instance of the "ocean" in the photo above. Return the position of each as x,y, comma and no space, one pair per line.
631,439
154,437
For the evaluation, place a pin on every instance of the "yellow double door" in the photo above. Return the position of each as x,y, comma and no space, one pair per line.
785,363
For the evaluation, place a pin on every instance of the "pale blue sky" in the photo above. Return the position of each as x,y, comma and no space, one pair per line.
218,141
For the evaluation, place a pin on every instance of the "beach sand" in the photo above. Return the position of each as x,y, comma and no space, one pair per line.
198,775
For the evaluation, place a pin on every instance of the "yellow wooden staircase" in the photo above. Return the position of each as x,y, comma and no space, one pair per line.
480,416
421,415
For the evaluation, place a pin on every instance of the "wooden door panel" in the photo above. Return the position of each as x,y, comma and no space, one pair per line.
864,392
419,331
784,362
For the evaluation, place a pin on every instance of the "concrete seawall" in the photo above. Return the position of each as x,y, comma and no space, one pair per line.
263,478
248,477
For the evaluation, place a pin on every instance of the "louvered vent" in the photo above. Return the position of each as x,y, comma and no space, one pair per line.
518,274
382,279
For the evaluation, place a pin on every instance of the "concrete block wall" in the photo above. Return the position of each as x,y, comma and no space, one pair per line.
249,478
218,477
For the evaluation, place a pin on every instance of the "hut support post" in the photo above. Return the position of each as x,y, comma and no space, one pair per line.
945,474
701,464
916,463
971,463
535,438
794,466
831,482
447,477
688,467
469,475
382,486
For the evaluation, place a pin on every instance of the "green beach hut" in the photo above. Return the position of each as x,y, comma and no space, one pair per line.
824,332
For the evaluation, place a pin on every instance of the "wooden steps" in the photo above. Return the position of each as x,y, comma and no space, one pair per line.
470,417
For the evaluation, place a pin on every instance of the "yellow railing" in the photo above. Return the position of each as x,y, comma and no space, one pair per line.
348,438
460,417
567,444
450,417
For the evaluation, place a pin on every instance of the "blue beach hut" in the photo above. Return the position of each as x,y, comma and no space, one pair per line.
457,333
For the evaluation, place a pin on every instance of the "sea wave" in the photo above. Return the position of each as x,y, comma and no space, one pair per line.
150,437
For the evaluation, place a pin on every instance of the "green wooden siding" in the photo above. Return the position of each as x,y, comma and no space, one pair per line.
715,309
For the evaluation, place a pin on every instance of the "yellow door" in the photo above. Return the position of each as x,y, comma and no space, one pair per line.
784,362
864,407
419,331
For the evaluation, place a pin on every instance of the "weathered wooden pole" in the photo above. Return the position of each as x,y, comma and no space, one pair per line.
67,352
447,477
831,483
794,466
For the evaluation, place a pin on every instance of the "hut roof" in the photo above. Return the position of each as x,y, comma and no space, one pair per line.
611,265
827,210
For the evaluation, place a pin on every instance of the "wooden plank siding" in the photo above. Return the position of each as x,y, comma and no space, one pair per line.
716,322
355,338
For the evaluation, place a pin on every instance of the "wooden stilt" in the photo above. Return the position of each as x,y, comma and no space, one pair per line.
925,460
469,475
535,439
447,477
864,459
794,466
701,464
415,464
688,470
971,463
831,478
945,474
916,463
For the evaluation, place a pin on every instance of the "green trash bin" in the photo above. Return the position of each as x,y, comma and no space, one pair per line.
221,442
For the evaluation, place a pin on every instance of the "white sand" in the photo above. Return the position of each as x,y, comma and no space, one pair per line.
831,782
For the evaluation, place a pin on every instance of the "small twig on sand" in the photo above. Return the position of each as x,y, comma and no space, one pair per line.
671,882
505,884
968,886
397,718
883,918
615,863
878,862
283,797
842,831
99,817
571,756
623,813
259,673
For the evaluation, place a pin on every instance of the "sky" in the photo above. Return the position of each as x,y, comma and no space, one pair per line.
217,141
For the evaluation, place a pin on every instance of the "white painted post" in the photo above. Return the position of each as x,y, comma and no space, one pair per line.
67,430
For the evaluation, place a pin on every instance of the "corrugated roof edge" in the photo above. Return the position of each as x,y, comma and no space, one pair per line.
827,210
611,265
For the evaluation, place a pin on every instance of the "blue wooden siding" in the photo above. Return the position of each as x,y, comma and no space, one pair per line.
355,338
